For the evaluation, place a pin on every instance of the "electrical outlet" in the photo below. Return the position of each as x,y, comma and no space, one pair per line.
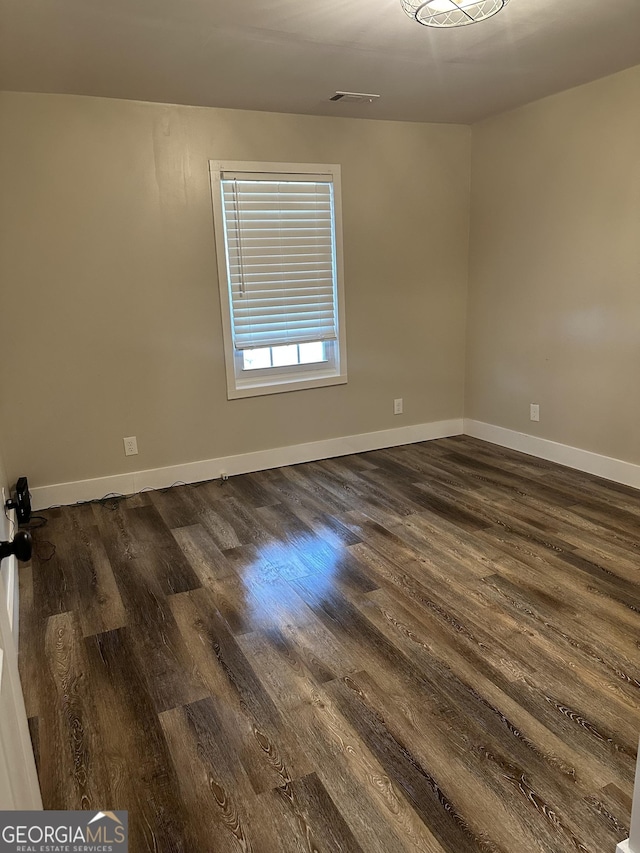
534,412
397,406
130,445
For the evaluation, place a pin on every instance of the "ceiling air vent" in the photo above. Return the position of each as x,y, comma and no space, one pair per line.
354,97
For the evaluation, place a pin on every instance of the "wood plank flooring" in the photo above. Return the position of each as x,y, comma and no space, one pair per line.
430,648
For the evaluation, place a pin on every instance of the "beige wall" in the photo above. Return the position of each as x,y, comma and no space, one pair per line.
110,314
111,321
554,297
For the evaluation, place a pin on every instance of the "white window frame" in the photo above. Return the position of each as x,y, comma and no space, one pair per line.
276,380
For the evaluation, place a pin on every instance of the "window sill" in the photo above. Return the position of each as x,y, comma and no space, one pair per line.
274,386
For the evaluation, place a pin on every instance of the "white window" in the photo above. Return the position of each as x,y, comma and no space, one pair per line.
279,243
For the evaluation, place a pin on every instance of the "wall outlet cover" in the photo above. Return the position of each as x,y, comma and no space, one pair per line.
130,445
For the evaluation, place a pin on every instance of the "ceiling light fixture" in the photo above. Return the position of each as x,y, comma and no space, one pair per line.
451,13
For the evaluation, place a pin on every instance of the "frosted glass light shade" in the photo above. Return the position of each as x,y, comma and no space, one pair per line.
451,13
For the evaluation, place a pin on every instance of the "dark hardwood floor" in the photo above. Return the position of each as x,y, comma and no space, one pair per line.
429,648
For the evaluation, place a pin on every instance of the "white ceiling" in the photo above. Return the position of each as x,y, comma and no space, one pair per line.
290,56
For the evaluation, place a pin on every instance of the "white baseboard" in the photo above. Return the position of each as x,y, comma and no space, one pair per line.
623,847
211,469
573,457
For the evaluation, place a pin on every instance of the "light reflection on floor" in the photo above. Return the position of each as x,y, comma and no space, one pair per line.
269,598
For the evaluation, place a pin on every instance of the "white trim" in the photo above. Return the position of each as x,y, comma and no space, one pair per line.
18,778
258,167
281,380
211,469
243,463
9,573
623,847
12,593
573,457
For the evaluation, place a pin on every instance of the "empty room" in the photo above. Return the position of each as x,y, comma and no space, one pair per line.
320,458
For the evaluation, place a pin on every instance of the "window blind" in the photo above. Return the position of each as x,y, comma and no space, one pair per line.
279,235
